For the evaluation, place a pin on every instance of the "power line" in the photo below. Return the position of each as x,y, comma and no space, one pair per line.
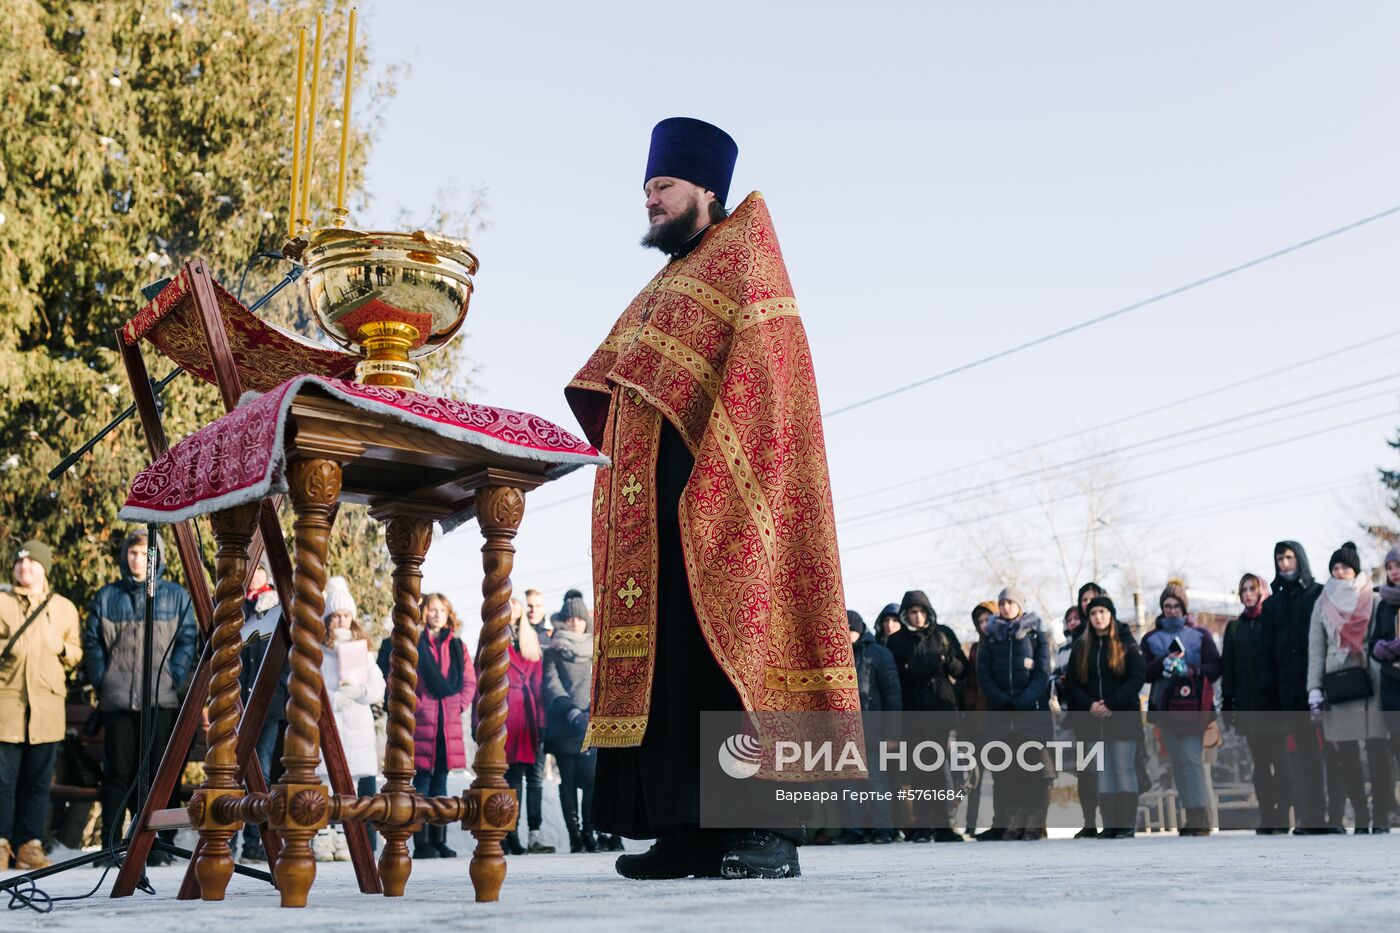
987,487
1136,479
1126,309
1222,507
1292,367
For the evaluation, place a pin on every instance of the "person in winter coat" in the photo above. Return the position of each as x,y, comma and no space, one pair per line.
567,684
1249,701
1087,779
1182,662
446,688
1288,616
1013,672
525,723
887,623
1340,624
930,662
878,681
261,614
1106,674
353,683
1384,646
113,644
39,641
974,708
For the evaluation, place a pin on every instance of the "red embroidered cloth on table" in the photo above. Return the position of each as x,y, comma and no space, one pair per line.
266,355
240,458
714,345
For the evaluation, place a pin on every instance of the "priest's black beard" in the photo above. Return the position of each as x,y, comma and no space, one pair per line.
670,235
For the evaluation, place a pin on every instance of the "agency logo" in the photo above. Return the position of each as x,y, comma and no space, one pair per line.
740,756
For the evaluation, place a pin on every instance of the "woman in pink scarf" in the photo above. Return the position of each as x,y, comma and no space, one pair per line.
1341,620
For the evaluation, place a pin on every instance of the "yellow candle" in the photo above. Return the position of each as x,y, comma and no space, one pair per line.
296,132
345,121
311,122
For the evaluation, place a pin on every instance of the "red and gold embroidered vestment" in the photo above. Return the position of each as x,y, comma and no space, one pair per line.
714,344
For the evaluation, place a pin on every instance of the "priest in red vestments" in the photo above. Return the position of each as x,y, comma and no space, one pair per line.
717,582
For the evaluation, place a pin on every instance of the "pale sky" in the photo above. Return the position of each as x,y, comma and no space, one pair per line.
949,180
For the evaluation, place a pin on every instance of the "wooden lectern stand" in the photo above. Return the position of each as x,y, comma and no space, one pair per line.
413,459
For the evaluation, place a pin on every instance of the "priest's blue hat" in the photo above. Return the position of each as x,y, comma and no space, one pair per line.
698,152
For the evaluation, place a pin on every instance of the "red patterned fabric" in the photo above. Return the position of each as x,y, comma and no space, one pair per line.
266,356
714,345
240,457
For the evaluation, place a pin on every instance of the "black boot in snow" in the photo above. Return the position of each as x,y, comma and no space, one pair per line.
760,854
423,846
610,843
511,844
437,835
588,839
674,855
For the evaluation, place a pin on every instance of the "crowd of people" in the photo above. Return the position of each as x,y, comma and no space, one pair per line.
1308,674
51,655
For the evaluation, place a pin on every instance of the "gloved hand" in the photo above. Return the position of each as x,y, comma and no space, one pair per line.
353,692
1315,704
1386,651
1174,666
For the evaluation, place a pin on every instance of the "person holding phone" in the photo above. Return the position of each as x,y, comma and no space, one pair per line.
1182,662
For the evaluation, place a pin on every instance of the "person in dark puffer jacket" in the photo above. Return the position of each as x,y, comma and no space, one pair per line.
878,681
1288,616
887,623
930,662
566,685
1105,674
1384,645
1249,703
113,642
1013,672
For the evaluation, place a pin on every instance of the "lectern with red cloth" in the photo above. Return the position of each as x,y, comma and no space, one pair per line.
414,459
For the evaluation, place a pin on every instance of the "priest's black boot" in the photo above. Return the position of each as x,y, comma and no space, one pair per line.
758,853
675,855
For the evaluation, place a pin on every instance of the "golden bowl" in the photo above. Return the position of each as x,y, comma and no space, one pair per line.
390,296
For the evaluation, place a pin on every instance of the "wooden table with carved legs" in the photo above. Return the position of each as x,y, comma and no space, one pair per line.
300,804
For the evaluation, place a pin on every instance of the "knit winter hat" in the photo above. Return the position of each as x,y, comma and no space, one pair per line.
38,552
1013,594
1392,556
1176,590
986,605
1346,556
1104,602
338,598
856,623
576,608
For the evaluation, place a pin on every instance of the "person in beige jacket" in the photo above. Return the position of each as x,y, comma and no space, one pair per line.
33,699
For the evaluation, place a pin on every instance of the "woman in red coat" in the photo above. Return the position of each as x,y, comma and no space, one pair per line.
525,730
446,685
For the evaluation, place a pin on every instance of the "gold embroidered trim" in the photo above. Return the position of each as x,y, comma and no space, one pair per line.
615,733
708,297
629,641
744,478
684,357
804,681
761,311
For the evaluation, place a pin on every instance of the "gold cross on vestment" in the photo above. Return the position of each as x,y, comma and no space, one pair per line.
631,489
630,593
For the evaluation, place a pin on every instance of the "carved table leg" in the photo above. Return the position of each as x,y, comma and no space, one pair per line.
408,538
499,511
299,803
233,530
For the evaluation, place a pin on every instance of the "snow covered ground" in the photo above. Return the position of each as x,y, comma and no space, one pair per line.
1231,881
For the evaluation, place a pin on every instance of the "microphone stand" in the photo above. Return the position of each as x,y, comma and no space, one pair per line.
147,720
